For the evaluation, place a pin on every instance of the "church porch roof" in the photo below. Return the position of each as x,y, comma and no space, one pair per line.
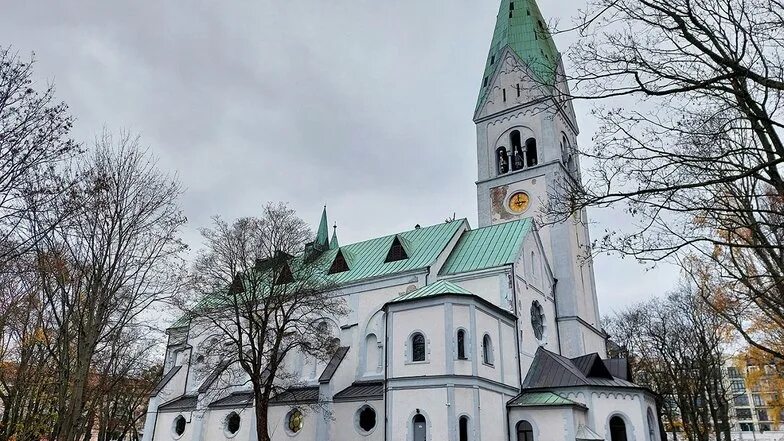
434,289
541,399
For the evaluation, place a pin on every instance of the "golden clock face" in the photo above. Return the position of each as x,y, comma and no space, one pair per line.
519,201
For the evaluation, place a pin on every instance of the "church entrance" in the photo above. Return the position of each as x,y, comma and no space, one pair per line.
420,428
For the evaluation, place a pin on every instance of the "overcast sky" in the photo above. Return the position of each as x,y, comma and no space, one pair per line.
363,105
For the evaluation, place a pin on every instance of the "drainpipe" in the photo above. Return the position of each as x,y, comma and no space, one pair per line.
386,371
517,332
557,327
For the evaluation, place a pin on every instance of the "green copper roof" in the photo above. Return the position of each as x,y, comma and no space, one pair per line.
437,288
333,243
487,247
520,26
545,398
367,259
322,237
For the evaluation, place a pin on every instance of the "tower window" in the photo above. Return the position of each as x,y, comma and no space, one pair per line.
511,6
518,90
502,160
531,158
504,93
517,150
396,251
484,82
492,61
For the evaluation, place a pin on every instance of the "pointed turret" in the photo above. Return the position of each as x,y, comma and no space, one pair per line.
333,243
322,237
521,27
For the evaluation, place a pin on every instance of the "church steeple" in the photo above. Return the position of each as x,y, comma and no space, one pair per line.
521,27
333,243
322,236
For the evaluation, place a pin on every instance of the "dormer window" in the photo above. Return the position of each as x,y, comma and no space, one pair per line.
285,275
339,264
396,251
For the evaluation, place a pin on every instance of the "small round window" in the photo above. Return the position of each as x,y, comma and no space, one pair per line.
232,423
179,426
366,419
294,420
537,320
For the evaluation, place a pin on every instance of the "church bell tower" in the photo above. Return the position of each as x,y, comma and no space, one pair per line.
526,145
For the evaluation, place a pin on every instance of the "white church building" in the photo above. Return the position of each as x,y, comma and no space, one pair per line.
455,333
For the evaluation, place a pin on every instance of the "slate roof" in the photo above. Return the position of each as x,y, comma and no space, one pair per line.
185,402
165,380
488,247
297,395
550,370
523,28
438,287
361,391
541,399
236,399
333,364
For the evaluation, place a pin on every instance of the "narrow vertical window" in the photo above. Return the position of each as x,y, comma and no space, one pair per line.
517,150
461,352
463,428
518,90
503,91
487,350
531,157
502,160
418,347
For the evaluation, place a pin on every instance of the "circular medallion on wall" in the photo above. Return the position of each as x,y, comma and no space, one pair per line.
518,202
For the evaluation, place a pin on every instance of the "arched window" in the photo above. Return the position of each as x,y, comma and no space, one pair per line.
487,349
371,353
418,347
463,428
420,427
531,158
651,425
617,429
502,160
524,431
533,264
461,352
517,150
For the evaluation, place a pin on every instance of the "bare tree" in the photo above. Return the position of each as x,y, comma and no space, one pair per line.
34,130
264,293
676,346
697,160
117,255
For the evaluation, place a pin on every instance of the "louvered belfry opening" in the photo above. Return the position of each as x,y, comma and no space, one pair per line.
396,251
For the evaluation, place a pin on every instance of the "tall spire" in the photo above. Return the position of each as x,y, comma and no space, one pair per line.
333,243
322,237
521,27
